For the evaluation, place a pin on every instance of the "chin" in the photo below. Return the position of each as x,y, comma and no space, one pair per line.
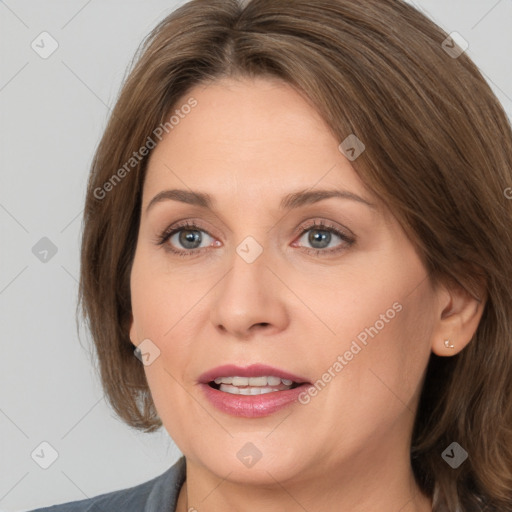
247,464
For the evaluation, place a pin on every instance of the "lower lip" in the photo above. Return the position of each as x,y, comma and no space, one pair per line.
252,406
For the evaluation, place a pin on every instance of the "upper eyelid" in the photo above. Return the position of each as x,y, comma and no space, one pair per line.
304,225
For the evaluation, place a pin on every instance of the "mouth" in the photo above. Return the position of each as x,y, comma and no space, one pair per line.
256,379
253,391
237,385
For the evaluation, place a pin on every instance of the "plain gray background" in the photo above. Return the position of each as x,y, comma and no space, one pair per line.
53,112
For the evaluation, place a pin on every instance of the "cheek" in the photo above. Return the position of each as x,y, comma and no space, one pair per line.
161,298
158,308
385,358
167,396
381,346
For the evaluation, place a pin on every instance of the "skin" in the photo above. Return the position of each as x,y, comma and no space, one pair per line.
248,143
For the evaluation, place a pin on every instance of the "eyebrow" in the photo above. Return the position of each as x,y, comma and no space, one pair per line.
290,201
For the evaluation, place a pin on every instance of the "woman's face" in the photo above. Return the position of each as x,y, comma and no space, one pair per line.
328,291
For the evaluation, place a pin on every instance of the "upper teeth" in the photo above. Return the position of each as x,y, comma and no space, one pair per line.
253,381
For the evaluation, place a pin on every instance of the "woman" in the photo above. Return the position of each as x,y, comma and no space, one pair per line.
298,217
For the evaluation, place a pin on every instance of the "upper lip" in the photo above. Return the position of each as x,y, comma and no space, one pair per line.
253,370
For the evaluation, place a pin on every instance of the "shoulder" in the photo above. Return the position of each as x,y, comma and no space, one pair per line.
159,493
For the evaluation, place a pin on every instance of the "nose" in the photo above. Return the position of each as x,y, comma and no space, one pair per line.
250,299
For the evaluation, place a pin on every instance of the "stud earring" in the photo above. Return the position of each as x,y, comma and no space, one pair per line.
448,344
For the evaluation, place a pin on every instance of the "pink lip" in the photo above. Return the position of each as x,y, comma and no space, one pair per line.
250,406
254,370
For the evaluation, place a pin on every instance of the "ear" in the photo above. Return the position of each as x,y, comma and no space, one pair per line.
458,316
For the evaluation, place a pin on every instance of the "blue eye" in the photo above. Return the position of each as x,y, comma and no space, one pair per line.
320,235
189,239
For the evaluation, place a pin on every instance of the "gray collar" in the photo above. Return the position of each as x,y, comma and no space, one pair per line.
165,492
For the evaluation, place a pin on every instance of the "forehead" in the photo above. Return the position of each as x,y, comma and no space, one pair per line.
250,136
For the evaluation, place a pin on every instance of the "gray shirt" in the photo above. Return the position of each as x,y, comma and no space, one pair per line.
157,495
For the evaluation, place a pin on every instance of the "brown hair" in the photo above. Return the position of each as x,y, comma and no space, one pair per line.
438,153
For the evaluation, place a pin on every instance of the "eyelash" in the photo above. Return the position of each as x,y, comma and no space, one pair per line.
190,226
